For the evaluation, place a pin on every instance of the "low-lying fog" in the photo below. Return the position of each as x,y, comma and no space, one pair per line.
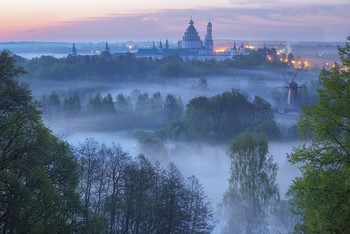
252,82
209,163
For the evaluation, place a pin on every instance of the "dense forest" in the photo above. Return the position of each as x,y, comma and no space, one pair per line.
214,119
107,67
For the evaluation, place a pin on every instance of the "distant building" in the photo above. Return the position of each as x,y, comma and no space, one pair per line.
242,46
107,50
234,48
166,44
74,51
191,39
209,43
238,50
191,46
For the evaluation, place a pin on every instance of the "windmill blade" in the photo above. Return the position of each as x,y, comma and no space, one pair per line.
285,78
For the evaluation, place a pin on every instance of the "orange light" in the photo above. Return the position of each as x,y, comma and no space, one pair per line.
220,50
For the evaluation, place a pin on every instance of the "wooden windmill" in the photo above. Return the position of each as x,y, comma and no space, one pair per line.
293,99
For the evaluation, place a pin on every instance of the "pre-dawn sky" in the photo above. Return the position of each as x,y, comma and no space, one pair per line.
116,20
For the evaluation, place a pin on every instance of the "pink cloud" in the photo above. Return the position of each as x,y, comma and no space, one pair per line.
316,23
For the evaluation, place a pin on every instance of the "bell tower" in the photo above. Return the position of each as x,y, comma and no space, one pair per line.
209,43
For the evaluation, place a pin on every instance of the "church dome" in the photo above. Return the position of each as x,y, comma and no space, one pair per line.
191,39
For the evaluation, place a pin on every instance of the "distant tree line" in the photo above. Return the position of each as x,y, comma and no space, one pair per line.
217,118
117,68
262,57
127,66
48,186
138,110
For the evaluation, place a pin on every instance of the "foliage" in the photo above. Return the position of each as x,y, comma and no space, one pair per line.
173,108
37,170
218,118
262,57
52,104
252,185
223,116
169,69
129,67
286,217
202,84
119,113
135,196
72,105
151,146
86,67
322,191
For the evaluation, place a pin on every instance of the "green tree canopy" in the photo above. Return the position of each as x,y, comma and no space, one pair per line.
252,185
224,116
322,192
37,170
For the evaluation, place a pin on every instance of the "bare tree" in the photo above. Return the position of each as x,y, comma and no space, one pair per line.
117,162
199,216
87,153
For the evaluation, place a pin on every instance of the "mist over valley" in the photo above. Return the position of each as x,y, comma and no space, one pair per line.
211,127
207,161
175,117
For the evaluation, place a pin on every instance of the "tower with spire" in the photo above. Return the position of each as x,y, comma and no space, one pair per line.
234,49
242,46
107,49
234,46
166,44
208,42
190,46
74,51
